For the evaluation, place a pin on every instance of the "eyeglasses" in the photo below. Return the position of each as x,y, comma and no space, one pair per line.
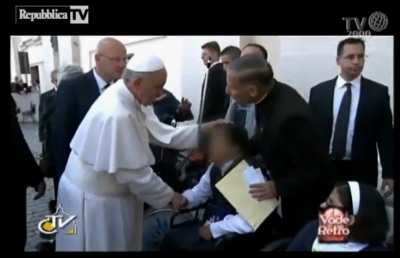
115,59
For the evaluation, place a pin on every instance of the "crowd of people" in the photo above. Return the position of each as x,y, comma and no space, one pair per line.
111,140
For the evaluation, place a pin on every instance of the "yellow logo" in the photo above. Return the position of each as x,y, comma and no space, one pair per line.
59,220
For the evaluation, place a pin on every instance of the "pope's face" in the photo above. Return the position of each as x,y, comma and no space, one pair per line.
152,87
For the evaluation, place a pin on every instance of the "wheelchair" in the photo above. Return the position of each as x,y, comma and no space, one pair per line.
227,242
158,222
186,174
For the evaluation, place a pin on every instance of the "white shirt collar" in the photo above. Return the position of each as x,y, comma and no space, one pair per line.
258,102
101,83
340,82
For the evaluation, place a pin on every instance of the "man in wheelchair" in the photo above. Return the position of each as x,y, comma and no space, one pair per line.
227,147
169,111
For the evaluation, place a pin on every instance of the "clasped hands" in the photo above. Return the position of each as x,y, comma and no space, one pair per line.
180,202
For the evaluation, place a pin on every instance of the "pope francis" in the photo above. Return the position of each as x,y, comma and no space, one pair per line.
108,174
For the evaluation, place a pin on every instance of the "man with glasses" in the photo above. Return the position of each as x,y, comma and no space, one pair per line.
354,117
74,97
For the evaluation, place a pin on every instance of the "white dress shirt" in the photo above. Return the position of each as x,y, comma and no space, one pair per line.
339,91
201,193
100,82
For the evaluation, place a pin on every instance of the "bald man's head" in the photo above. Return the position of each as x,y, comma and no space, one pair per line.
249,78
255,49
110,59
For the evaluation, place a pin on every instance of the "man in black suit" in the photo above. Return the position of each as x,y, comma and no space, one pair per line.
74,97
354,116
229,54
23,163
213,96
45,110
301,173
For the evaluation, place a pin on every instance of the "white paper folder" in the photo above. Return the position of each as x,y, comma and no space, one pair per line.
236,190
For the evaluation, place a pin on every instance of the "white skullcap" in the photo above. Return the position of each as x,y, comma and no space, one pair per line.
145,62
355,196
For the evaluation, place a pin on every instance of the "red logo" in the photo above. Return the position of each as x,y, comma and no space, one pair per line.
333,225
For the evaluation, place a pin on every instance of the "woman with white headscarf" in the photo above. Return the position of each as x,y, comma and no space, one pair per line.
368,224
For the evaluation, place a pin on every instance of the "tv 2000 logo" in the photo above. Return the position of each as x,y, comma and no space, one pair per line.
333,225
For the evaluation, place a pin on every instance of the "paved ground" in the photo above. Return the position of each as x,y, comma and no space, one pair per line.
36,210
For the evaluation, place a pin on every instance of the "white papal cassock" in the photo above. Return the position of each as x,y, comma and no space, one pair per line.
108,174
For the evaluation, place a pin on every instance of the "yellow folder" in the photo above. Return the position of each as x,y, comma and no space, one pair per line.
235,189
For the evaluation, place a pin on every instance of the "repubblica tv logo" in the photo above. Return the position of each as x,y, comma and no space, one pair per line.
333,225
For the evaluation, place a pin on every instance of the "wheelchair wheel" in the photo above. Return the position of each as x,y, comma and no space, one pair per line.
156,224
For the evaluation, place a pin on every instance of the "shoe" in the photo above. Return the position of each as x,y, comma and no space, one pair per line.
46,247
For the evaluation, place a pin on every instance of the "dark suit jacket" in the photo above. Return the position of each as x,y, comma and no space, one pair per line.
46,108
23,164
215,97
373,126
73,99
302,172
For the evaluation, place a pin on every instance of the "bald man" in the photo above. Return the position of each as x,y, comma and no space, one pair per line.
108,175
74,97
255,49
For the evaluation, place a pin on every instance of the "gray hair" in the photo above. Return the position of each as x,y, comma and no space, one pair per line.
68,72
53,75
128,75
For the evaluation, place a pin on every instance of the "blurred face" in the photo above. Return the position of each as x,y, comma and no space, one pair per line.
251,51
334,201
244,94
111,62
352,60
148,89
206,55
225,60
220,149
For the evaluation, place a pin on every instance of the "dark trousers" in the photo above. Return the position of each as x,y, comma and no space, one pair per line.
185,237
344,170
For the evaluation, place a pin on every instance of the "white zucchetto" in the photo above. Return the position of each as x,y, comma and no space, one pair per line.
145,62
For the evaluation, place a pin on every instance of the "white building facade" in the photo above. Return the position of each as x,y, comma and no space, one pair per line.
300,61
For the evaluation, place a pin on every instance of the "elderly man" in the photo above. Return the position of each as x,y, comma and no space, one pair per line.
301,172
74,97
241,113
45,98
66,72
108,174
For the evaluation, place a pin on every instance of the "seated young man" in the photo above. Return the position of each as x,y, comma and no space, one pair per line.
227,148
